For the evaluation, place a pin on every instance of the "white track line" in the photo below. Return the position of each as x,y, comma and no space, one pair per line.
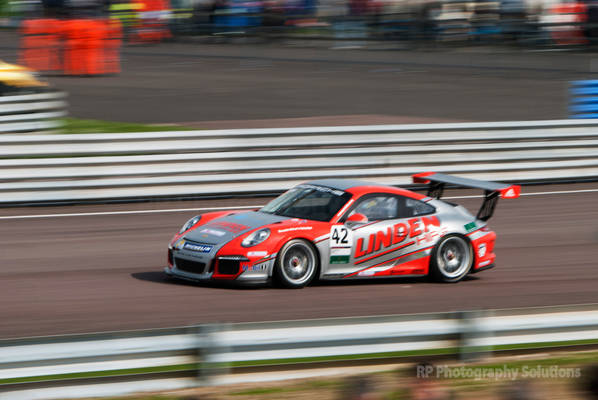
173,210
127,212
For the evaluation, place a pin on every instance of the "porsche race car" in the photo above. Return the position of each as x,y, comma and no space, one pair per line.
342,229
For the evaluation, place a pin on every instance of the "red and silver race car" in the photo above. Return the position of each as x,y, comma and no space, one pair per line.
342,229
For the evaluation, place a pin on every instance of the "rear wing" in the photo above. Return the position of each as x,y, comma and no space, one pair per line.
492,190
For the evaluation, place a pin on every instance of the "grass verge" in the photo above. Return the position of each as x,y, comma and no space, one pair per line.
400,384
76,125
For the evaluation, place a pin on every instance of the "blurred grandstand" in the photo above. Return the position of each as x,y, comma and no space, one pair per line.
525,22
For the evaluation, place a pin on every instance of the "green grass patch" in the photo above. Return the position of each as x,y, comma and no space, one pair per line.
412,353
349,357
388,389
260,391
75,125
310,385
567,359
547,345
100,374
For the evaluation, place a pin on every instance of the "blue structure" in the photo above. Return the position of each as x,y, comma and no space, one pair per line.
583,99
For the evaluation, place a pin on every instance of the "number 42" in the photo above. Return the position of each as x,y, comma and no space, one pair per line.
341,236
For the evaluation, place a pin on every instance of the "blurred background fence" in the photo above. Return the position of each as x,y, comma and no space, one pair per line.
187,164
164,359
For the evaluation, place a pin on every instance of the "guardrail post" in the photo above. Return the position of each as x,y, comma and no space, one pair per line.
209,348
472,335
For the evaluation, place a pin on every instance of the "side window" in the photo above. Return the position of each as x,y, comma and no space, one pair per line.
413,208
378,207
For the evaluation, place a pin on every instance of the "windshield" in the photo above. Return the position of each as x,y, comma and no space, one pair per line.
319,203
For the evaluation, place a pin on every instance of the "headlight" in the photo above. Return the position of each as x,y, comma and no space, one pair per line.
190,223
256,237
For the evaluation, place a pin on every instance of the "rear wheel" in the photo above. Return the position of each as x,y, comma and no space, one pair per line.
296,264
451,260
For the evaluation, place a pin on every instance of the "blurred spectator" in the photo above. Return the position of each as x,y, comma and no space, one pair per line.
454,20
519,390
351,22
591,30
426,386
357,388
484,20
590,381
513,19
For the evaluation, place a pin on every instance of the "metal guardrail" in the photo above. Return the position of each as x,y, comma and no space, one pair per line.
31,112
164,359
96,167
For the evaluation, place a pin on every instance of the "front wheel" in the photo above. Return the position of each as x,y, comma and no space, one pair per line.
451,260
296,264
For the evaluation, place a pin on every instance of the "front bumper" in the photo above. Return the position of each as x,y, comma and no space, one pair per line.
204,264
243,279
186,275
203,268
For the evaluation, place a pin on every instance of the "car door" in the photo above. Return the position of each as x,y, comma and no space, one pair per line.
394,228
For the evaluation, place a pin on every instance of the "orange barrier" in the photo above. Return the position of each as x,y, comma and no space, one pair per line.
75,47
40,45
112,45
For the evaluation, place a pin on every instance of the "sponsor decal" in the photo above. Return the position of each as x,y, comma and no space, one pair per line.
296,228
341,241
257,253
254,268
421,230
340,255
214,232
509,194
202,248
482,250
389,264
367,272
470,227
299,221
484,263
374,270
335,192
228,226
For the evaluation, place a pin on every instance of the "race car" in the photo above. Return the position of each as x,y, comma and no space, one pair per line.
15,79
342,229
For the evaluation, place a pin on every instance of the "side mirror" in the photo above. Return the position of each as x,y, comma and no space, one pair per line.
357,218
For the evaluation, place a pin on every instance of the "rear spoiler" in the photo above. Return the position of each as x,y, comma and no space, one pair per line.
492,190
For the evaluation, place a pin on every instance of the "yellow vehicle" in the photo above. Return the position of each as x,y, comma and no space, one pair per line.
15,78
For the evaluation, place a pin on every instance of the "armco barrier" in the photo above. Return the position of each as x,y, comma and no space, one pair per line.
164,359
31,112
54,168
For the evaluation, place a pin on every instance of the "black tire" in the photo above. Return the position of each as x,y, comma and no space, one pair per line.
296,265
451,259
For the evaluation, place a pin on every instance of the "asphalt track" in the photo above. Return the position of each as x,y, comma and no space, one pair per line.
101,272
